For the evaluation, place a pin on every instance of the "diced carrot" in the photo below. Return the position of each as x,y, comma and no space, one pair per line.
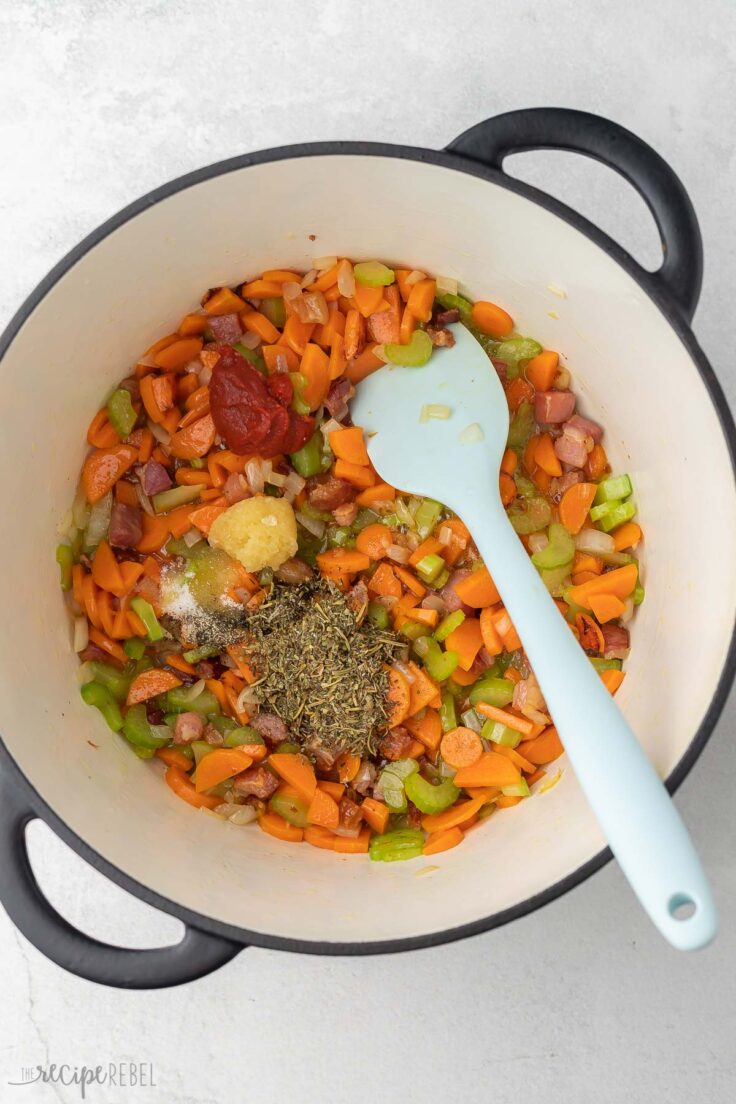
627,535
106,570
400,609
422,691
151,683
518,391
338,360
178,781
458,813
597,463
203,517
461,747
297,771
463,678
620,582
195,441
491,769
271,354
349,444
336,790
192,325
367,299
364,364
492,319
606,607
100,433
356,474
491,640
510,462
443,841
357,846
612,678
429,547
375,814
519,724
505,629
296,334
575,506
506,488
220,764
384,582
258,324
542,369
544,748
584,562
323,810
276,826
532,778
172,757
347,766
327,280
354,336
528,458
282,276
384,326
379,492
178,354
398,697
410,581
342,561
467,641
478,589
315,367
103,468
103,641
428,617
546,458
421,299
375,540
505,802
518,760
125,493
319,837
225,301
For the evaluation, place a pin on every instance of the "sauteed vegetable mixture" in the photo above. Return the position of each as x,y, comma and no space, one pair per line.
294,642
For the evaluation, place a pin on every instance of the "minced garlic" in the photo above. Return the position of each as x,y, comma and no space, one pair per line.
259,532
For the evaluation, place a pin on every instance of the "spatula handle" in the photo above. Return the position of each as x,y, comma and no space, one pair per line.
643,827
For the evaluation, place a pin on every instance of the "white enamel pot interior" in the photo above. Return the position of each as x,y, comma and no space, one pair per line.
631,371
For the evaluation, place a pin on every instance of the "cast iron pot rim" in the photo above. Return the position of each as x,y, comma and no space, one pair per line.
673,315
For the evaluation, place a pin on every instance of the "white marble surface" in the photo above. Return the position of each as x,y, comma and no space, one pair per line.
101,101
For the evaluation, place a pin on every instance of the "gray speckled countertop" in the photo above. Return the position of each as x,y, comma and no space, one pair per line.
103,100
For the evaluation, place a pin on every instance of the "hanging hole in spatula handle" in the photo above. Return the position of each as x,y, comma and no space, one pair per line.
681,273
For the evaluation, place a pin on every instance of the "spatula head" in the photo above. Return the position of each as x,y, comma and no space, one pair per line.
456,459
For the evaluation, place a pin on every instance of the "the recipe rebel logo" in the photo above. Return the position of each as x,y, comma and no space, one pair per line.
121,1075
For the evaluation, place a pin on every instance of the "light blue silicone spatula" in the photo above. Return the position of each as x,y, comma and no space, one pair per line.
457,461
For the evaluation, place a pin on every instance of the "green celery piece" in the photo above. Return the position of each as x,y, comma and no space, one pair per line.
176,701
274,310
197,654
65,560
308,460
414,355
448,625
403,843
134,647
137,730
605,664
373,274
448,301
197,462
555,579
222,723
252,357
147,614
472,720
521,427
430,567
530,516
515,349
429,798
559,550
200,748
621,512
524,487
292,808
378,614
492,691
638,594
497,733
442,579
439,665
412,630
94,693
341,537
391,782
286,747
427,516
365,518
177,547
312,512
176,496
617,486
120,413
448,713
245,735
516,789
308,546
116,681
143,752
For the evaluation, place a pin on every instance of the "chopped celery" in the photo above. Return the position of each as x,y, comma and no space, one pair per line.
403,843
222,724
609,515
274,310
492,691
197,462
176,496
197,654
521,427
429,567
605,664
373,274
94,693
65,560
442,579
312,512
308,546
448,713
138,731
427,516
430,798
144,752
516,789
147,614
378,614
555,579
638,594
439,665
200,748
308,460
412,630
448,301
617,486
291,807
120,412
497,733
448,625
515,349
252,357
177,547
530,515
179,700
471,720
414,355
134,647
364,518
98,523
235,737
559,550
391,783
185,750
524,487
286,747
341,537
116,681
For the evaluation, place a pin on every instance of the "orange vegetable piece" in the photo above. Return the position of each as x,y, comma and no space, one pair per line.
410,581
627,535
620,582
375,540
505,629
457,814
492,319
100,433
422,691
203,517
276,826
151,683
519,724
178,781
542,369
368,299
103,468
375,814
220,764
296,334
341,561
518,391
225,301
428,617
546,458
157,393
510,462
195,441
336,790
507,488
612,678
443,841
421,299
518,760
544,748
348,766
597,463
356,474
319,837
172,757
478,590
106,570
491,769
467,641
364,364
102,641
338,360
379,492
606,607
315,366
354,336
323,810
429,547
384,582
358,846
282,276
385,325
257,323
427,729
192,325
461,747
178,354
575,506
297,771
271,354
348,444
398,697
407,327
505,802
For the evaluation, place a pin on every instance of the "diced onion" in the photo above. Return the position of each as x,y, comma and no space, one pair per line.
191,537
204,374
81,633
256,472
323,263
548,785
386,600
445,535
414,277
471,435
592,542
445,770
628,611
403,670
246,699
250,340
291,290
404,514
294,484
308,278
85,673
330,426
412,540
162,436
346,279
538,541
276,479
190,693
66,527
434,410
434,602
312,525
562,380
446,283
144,500
282,365
317,309
379,351
398,553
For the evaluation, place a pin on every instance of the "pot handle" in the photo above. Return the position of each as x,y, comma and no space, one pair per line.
533,128
197,954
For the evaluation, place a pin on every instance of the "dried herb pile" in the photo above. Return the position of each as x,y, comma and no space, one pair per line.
320,666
